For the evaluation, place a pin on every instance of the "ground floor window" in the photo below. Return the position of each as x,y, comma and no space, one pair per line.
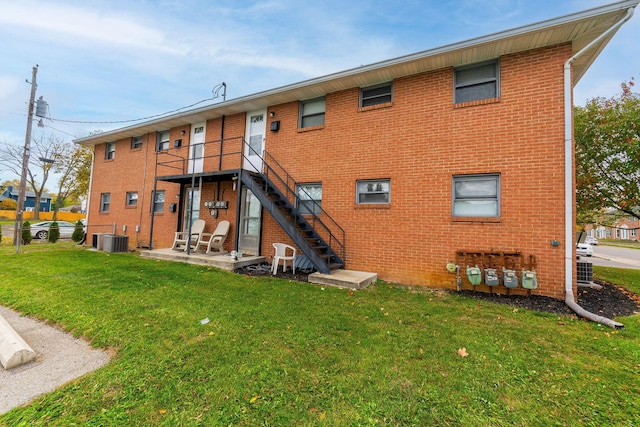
309,198
132,198
158,201
373,191
105,200
476,195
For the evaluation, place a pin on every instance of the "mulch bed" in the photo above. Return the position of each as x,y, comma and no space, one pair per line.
611,301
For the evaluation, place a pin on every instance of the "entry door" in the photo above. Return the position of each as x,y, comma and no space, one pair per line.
196,148
251,209
191,212
256,127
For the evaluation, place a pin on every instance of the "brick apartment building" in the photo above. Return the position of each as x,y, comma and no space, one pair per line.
452,154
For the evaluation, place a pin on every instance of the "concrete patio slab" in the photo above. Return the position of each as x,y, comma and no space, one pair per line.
344,279
224,262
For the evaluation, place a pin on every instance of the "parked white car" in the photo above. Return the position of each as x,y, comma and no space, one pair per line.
584,249
41,229
591,240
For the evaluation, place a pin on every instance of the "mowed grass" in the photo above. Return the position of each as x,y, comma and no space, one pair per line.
283,353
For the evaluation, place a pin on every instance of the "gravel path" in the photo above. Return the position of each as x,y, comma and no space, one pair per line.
60,358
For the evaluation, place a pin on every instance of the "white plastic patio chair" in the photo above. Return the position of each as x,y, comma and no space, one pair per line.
182,238
281,255
213,241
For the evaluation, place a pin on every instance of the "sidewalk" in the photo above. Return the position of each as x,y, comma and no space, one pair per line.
60,358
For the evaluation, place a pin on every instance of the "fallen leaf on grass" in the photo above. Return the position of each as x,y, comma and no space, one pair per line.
254,398
462,352
162,411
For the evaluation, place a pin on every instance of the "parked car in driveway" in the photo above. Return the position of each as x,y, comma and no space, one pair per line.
584,249
41,230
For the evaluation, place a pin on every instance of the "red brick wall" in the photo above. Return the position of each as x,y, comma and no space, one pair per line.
418,142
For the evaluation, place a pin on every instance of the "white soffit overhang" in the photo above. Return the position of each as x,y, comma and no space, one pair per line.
579,29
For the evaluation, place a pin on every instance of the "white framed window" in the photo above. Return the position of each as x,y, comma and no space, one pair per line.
105,200
309,198
374,95
476,195
136,142
312,112
110,150
373,191
158,201
163,140
477,81
132,198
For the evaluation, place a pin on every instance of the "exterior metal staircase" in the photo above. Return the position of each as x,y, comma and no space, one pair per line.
317,235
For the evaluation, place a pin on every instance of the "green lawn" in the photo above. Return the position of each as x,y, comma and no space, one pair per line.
282,353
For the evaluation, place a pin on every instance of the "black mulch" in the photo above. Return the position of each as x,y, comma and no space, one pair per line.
611,301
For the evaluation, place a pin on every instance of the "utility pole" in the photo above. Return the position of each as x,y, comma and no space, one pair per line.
22,193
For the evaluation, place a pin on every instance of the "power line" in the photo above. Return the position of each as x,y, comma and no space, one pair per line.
215,91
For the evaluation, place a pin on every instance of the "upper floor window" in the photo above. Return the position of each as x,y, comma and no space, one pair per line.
312,112
163,140
476,195
373,191
110,150
477,81
136,142
374,95
105,200
309,198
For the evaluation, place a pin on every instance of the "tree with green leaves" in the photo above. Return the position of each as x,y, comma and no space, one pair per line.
73,165
607,138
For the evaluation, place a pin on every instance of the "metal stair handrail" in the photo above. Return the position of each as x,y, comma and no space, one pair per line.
334,232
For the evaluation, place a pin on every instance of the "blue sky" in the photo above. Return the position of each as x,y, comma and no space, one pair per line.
120,60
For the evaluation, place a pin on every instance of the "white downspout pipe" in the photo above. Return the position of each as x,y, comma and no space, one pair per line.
568,182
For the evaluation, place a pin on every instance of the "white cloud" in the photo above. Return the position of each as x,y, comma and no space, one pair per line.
82,26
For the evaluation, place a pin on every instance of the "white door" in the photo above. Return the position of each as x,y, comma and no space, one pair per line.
254,137
196,148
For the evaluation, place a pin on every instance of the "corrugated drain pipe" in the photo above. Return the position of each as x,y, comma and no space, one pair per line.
568,184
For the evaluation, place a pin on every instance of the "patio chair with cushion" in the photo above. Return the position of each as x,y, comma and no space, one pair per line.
213,241
183,238
281,255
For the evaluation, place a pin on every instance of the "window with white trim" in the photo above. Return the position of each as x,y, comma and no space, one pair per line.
477,81
110,150
374,95
158,201
476,195
309,198
373,191
136,142
312,112
105,200
132,198
163,140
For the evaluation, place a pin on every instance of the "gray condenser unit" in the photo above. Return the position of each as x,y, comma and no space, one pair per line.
115,243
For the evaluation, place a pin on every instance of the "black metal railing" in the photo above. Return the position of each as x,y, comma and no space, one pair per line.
233,154
326,227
